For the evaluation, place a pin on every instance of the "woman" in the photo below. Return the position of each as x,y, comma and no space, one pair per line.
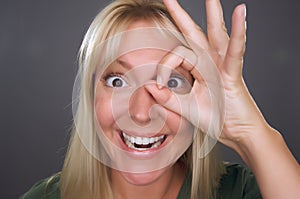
151,105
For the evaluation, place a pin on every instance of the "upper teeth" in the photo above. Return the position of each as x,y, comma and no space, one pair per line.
142,143
142,140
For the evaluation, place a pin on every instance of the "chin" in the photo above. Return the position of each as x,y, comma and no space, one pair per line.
143,178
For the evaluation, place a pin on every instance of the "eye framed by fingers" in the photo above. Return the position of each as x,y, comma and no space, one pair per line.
178,83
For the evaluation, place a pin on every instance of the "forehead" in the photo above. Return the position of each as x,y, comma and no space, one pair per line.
141,57
142,23
143,43
143,35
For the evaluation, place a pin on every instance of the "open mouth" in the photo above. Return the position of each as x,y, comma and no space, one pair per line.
142,143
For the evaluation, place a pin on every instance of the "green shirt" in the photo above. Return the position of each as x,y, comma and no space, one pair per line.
237,183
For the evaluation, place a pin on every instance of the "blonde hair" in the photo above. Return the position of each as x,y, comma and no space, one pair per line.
83,176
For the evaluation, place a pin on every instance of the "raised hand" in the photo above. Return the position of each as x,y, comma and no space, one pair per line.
215,61
245,129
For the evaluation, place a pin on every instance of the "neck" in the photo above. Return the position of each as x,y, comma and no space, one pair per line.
164,183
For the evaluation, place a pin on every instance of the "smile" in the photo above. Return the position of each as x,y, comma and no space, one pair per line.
142,143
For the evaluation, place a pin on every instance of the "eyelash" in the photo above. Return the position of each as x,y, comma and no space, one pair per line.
111,75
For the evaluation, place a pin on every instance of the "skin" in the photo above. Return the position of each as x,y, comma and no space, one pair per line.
162,183
245,129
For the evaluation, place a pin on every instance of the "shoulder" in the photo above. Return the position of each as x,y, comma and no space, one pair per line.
44,189
238,182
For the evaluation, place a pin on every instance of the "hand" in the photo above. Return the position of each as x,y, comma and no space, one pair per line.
245,129
242,117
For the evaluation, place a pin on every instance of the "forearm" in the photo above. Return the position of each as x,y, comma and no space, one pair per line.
276,170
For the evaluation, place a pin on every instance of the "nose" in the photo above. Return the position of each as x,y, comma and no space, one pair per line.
140,105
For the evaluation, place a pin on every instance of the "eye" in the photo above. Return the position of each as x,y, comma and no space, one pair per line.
175,82
115,81
179,84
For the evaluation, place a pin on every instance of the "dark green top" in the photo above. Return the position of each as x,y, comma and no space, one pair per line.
237,183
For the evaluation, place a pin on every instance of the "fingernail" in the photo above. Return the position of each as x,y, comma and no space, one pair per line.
149,87
244,13
159,82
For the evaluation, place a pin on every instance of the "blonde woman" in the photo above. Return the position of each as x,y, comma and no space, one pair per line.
152,96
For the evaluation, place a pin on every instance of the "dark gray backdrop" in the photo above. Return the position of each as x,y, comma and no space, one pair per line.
39,40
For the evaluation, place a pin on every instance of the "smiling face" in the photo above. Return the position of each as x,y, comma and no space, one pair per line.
131,123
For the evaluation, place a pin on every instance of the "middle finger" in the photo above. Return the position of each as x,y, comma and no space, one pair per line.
216,29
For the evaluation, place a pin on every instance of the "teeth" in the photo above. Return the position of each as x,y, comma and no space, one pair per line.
138,140
146,141
152,140
130,141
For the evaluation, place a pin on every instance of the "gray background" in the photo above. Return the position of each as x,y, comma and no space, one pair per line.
39,40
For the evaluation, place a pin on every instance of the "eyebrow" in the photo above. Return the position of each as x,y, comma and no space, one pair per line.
124,64
128,66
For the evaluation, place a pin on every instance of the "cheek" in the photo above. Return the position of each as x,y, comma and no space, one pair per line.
103,110
181,137
177,123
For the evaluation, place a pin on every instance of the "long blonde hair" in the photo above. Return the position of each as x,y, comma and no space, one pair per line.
83,176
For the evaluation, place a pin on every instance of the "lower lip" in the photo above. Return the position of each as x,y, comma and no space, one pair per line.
140,153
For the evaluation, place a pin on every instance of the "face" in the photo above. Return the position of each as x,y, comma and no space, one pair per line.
131,123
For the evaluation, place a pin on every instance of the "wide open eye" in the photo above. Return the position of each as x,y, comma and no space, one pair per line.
174,82
179,84
115,81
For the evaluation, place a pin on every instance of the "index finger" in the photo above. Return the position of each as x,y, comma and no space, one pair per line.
179,57
186,24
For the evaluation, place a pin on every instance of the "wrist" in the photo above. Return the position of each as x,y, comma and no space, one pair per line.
257,138
259,146
272,163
